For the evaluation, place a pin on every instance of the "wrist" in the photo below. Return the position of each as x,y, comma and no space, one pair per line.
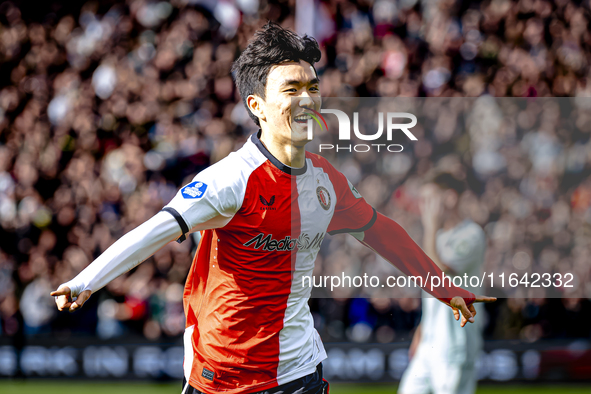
430,225
75,289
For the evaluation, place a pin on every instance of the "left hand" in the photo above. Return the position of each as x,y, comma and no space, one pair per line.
64,301
468,312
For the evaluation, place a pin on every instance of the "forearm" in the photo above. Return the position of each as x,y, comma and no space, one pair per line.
125,254
391,241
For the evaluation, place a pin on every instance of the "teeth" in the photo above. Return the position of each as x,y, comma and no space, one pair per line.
303,117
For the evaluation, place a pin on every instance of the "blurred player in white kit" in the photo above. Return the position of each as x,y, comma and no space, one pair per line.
443,354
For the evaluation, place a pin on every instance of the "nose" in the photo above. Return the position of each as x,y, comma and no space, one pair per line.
306,101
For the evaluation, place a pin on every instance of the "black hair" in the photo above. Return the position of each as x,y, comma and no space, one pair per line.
446,181
271,45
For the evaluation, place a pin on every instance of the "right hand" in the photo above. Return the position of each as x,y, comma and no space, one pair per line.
459,308
63,299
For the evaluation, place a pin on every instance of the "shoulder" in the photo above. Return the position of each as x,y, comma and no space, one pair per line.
322,163
469,236
337,178
234,168
319,161
225,182
472,230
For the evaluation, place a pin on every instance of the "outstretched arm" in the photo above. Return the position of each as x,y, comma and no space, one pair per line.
353,215
125,254
388,239
209,202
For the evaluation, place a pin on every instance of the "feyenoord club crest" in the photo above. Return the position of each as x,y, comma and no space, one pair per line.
323,197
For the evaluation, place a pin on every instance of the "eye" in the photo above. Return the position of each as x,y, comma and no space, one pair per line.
314,89
291,90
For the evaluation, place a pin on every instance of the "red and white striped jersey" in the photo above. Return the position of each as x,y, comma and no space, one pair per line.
249,327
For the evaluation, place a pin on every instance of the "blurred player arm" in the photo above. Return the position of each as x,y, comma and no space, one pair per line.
461,250
429,246
430,213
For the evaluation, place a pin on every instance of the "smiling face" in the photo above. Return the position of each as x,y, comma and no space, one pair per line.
285,82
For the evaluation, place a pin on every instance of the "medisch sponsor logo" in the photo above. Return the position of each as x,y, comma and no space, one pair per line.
303,242
389,122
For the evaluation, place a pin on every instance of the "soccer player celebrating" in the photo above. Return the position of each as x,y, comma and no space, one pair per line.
443,354
263,212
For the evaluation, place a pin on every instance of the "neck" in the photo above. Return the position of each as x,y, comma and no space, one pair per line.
284,151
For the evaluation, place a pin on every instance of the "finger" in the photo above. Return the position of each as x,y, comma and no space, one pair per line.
80,300
465,321
65,290
459,303
64,306
485,299
62,302
466,313
456,313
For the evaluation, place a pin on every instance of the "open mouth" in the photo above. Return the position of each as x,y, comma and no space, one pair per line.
302,118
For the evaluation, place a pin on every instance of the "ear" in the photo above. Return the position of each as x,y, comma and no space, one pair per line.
256,105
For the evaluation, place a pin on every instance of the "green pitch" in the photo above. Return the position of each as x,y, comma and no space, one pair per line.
61,387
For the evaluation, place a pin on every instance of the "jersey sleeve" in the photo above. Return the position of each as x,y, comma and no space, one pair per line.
211,199
352,213
388,239
125,254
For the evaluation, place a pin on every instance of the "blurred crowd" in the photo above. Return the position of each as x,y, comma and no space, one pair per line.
107,108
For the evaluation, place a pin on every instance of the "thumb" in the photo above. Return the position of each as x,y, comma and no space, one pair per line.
64,290
80,300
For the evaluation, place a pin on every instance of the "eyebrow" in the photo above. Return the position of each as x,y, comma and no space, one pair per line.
298,82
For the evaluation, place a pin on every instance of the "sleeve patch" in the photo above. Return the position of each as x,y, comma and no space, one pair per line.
194,190
353,190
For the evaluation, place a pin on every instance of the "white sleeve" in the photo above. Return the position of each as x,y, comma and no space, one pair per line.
125,254
209,202
213,197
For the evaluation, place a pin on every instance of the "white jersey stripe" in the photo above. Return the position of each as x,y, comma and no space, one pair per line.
300,346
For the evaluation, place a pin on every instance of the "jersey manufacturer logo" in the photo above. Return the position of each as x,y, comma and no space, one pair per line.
267,204
323,197
303,242
194,190
207,374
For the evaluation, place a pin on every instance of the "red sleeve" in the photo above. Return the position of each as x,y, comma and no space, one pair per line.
388,239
